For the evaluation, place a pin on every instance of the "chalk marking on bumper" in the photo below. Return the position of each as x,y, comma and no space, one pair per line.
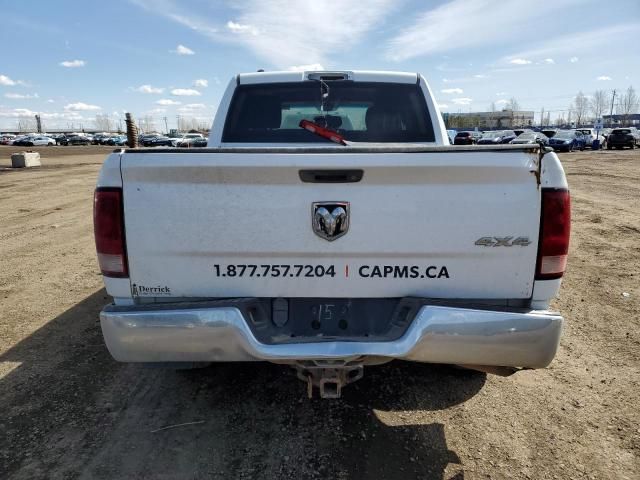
438,334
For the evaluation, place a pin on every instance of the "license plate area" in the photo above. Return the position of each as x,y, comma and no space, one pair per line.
299,320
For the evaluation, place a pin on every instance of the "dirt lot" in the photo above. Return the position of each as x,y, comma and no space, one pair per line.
69,411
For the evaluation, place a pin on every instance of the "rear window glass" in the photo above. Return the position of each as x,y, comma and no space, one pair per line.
464,134
360,111
621,130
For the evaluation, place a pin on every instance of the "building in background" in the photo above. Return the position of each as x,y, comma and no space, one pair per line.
489,120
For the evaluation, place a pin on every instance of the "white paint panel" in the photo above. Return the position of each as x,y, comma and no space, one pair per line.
186,212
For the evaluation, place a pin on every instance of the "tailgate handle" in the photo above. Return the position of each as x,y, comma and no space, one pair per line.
331,176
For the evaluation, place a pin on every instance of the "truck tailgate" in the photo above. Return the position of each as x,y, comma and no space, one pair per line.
214,224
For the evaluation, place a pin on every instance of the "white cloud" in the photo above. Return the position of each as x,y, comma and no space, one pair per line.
520,61
596,40
479,75
305,68
455,25
306,33
149,89
201,82
182,50
499,94
167,101
442,106
240,28
21,96
6,81
603,78
462,100
457,91
185,92
80,106
72,63
550,61
190,107
502,101
51,100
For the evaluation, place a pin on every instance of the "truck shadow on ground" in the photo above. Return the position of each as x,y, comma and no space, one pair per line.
71,411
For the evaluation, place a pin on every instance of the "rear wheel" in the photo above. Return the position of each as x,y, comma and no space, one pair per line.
609,147
50,144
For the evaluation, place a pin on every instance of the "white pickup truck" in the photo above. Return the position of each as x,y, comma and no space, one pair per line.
329,225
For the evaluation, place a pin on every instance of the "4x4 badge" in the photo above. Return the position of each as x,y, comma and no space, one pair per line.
330,220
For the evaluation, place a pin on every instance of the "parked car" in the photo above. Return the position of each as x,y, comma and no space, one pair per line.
590,136
497,137
22,141
7,139
310,291
97,137
567,141
148,139
623,137
530,138
39,140
161,141
118,141
464,138
200,142
188,139
78,140
63,139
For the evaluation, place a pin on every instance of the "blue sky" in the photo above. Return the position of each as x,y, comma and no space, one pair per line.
70,60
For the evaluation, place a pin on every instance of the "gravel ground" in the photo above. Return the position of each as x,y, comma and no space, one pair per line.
69,411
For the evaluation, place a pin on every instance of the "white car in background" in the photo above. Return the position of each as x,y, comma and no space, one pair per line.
41,141
7,139
590,136
187,139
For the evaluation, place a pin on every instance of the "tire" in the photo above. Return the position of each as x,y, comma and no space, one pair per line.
582,148
50,144
609,147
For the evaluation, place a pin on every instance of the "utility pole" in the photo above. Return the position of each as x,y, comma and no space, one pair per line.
166,128
542,117
613,97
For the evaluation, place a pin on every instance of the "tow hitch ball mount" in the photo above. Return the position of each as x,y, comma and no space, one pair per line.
328,377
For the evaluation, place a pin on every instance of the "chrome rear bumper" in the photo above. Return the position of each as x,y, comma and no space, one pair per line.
438,334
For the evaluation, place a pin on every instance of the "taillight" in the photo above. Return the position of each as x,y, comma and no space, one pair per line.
108,226
555,226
